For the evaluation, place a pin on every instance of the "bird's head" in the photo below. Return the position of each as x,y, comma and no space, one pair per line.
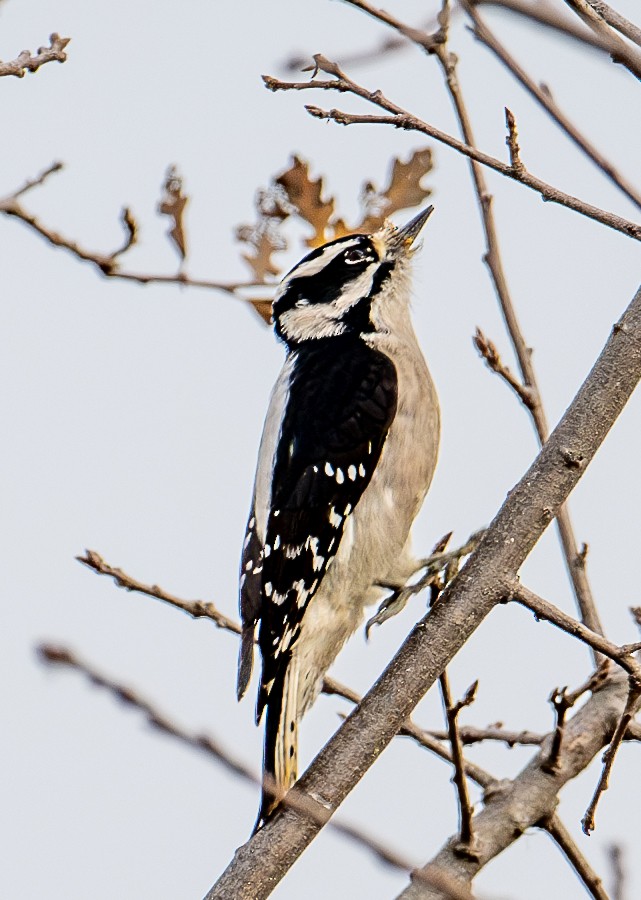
344,286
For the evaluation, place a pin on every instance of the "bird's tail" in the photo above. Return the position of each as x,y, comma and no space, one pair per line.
280,760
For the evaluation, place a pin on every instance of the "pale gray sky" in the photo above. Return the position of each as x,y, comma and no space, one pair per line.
132,417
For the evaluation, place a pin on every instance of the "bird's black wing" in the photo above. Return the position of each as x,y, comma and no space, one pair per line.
342,401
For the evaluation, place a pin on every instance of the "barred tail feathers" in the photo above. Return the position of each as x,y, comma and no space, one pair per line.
280,761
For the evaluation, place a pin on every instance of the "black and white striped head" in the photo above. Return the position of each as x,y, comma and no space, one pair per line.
331,291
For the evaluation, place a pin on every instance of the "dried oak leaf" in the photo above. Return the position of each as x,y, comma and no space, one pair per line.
263,242
403,191
263,308
172,204
305,195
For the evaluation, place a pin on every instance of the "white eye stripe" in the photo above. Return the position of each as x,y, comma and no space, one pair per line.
313,266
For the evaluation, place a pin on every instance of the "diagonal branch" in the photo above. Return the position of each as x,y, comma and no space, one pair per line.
546,15
62,656
25,62
547,611
620,51
199,609
264,860
563,839
401,118
483,33
631,706
616,20
531,798
108,263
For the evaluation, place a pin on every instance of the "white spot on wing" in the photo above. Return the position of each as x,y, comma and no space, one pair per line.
329,469
340,478
334,518
352,473
361,470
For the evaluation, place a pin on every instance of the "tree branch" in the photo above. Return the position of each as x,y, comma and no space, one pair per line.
531,798
400,118
545,610
55,52
620,51
199,609
616,20
547,16
452,710
563,839
108,264
527,389
62,656
263,861
631,706
544,99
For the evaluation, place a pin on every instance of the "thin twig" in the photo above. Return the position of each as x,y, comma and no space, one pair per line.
109,263
206,609
619,50
545,610
400,118
198,609
490,354
294,799
452,710
489,39
470,734
531,798
548,16
512,140
25,62
634,692
616,20
564,841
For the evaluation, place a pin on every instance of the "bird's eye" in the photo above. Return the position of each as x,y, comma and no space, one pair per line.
354,256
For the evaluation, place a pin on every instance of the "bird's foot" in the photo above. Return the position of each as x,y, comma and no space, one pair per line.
438,570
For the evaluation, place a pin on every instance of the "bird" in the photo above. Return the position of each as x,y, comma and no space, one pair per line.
347,454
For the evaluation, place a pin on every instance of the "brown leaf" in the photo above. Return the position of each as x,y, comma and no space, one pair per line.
172,204
263,308
404,189
402,192
305,196
263,241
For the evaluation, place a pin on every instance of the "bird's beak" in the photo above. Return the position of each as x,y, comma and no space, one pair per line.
400,240
408,234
